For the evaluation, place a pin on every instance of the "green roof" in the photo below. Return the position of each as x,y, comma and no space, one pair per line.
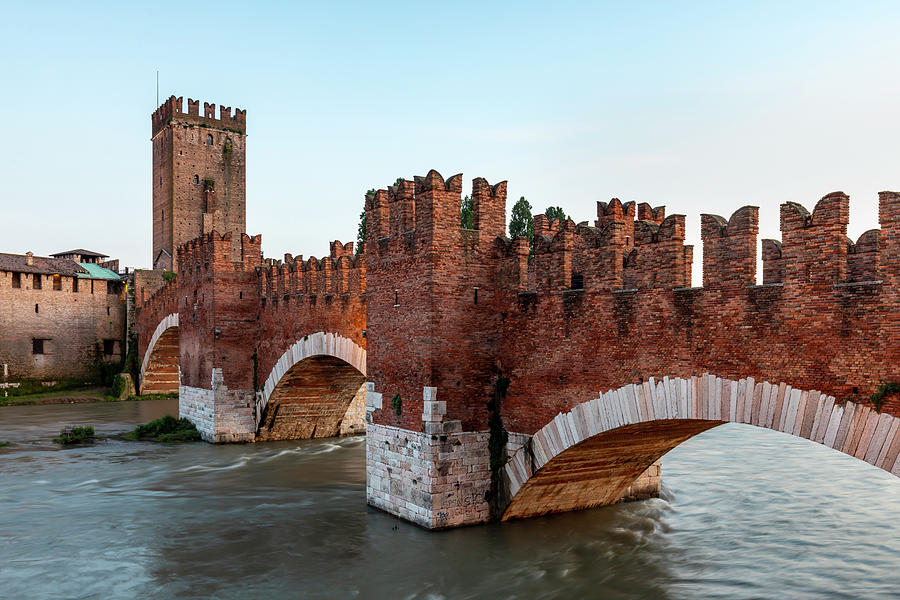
97,272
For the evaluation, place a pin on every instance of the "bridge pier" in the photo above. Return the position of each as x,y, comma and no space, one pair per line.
220,414
436,478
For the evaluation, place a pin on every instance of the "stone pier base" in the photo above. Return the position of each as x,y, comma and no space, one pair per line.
647,485
221,415
441,477
436,478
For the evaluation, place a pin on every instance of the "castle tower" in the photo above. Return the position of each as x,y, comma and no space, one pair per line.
199,173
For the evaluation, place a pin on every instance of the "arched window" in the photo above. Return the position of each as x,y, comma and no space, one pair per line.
209,139
196,179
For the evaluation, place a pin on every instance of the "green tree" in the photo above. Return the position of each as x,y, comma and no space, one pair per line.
361,233
522,223
556,212
467,214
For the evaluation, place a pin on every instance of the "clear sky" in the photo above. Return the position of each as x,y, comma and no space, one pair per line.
702,107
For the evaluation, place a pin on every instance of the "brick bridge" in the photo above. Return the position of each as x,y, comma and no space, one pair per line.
498,382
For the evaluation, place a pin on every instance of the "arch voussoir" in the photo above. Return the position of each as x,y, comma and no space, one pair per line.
168,322
317,344
703,402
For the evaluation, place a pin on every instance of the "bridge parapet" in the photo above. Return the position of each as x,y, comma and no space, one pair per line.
299,280
432,292
152,311
452,312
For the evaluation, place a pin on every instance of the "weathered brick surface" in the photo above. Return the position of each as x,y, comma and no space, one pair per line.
74,325
242,316
436,307
198,184
597,307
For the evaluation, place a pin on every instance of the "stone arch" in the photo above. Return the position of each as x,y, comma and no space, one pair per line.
159,369
591,455
315,389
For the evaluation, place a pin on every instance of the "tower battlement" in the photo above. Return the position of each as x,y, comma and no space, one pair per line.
172,110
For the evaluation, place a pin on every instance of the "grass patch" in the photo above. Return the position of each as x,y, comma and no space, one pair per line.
75,435
166,429
35,387
4,444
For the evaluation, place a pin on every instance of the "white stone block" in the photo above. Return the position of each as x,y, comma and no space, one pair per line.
825,420
800,411
882,426
834,423
888,442
817,420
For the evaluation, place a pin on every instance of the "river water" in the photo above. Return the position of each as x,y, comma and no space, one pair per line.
746,513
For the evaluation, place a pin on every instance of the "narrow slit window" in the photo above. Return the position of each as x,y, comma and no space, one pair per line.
36,309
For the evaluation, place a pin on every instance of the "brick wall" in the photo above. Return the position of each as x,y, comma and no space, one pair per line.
199,175
73,325
598,307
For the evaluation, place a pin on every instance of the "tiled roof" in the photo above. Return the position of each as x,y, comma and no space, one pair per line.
42,264
97,272
82,252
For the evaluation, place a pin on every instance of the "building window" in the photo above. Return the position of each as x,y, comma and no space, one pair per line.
17,280
209,139
196,179
75,284
36,281
109,347
36,309
37,346
111,287
57,283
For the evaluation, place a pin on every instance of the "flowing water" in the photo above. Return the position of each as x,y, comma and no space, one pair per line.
745,513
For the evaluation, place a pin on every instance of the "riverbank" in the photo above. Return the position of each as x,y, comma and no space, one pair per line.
78,396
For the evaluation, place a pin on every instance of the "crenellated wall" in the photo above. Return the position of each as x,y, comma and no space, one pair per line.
602,306
450,311
300,297
432,316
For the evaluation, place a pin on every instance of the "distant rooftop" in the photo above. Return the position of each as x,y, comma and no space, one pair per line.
81,256
79,251
19,263
97,272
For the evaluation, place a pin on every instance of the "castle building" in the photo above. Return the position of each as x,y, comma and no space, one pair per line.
198,175
61,319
